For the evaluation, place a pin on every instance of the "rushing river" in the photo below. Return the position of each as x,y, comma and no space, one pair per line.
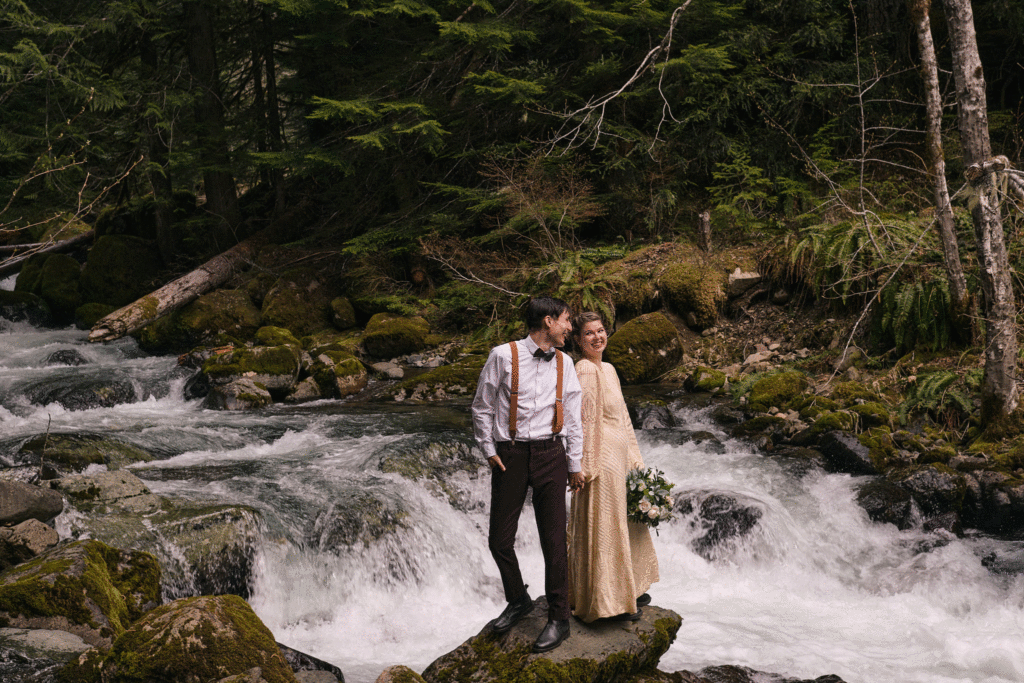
814,588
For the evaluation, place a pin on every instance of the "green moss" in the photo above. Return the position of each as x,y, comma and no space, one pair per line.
847,393
872,414
705,379
388,335
695,289
119,270
776,390
30,277
59,284
830,421
810,407
88,315
644,349
301,309
343,315
207,319
763,424
457,379
275,336
263,360
77,451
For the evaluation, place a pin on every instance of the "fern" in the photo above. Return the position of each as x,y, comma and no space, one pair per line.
942,395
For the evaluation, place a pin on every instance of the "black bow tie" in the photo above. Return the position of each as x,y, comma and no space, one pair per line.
544,355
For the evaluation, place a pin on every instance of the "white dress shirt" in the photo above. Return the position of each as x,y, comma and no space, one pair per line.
536,406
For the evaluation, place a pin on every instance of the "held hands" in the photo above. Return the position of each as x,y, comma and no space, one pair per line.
576,481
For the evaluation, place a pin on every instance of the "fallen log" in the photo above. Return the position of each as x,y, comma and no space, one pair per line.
14,264
175,294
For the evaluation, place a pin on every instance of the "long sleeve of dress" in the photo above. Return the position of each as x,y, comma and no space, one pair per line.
591,408
634,459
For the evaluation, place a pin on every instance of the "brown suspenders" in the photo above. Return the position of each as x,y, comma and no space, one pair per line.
513,406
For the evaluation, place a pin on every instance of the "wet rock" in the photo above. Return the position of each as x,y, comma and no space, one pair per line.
360,518
58,455
886,502
300,303
1003,504
388,370
719,519
35,655
742,674
763,426
845,453
86,588
457,380
83,393
203,549
644,349
65,357
106,492
678,437
219,317
388,335
197,386
306,390
948,522
22,542
437,461
936,488
606,651
193,639
727,415
19,502
242,394
646,413
301,663
22,306
399,674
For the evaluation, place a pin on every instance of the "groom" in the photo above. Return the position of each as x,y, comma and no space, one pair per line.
532,437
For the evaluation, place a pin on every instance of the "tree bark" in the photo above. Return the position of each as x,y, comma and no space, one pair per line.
14,264
919,10
175,294
218,180
999,394
704,231
158,169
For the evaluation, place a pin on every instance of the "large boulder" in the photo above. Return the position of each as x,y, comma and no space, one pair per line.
59,285
106,492
192,640
776,390
55,455
936,488
718,519
119,270
274,368
845,453
601,651
298,303
693,291
35,655
214,318
30,277
644,349
82,392
457,380
87,315
19,502
85,587
388,335
444,464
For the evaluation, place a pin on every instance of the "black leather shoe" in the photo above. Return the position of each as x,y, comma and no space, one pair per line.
515,611
628,616
552,635
643,600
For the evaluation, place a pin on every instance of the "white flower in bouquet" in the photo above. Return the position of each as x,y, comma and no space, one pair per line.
668,501
654,512
645,505
642,486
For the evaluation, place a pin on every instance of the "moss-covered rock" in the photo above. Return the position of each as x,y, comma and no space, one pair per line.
84,587
694,291
300,305
705,379
105,492
850,393
595,652
644,349
810,407
343,314
360,516
441,384
388,335
219,317
59,285
338,374
438,460
193,640
275,368
30,277
776,390
88,315
763,425
119,270
269,335
59,454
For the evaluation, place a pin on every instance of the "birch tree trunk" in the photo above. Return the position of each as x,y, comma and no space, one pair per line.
919,10
999,395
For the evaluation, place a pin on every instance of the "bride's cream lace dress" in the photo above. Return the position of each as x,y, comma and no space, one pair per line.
611,560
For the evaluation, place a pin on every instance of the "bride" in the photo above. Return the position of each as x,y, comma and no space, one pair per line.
611,560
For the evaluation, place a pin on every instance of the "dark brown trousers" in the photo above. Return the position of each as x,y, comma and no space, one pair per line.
540,465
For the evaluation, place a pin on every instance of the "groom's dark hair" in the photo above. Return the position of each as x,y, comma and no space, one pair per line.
540,308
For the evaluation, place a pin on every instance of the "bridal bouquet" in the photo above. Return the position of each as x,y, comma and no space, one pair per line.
647,498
